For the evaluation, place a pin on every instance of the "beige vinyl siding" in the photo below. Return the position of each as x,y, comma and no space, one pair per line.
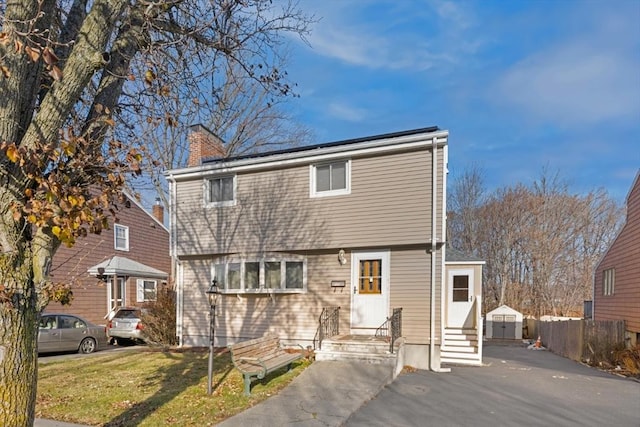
293,317
389,204
410,289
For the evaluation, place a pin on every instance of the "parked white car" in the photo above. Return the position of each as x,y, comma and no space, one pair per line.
125,324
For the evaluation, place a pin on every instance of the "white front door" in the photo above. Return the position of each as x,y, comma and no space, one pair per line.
370,291
460,298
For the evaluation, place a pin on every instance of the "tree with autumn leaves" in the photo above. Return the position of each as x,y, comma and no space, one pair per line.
70,70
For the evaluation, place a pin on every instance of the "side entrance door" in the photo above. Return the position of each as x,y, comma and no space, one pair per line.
116,293
460,298
370,291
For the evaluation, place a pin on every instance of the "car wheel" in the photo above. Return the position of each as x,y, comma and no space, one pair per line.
88,345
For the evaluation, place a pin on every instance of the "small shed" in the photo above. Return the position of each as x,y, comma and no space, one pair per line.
504,323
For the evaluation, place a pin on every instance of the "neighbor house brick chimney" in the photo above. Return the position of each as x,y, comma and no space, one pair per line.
204,144
158,211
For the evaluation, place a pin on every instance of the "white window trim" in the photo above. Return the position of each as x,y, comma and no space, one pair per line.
329,193
262,289
608,282
206,191
115,237
140,290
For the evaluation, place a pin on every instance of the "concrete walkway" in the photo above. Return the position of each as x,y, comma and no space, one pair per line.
324,394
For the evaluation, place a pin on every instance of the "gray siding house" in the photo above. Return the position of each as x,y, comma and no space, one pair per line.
356,224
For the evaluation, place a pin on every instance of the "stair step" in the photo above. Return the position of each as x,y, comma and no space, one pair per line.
461,338
458,349
382,359
369,348
460,331
458,355
454,361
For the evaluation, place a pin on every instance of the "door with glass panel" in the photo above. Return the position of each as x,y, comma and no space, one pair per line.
369,290
116,293
460,298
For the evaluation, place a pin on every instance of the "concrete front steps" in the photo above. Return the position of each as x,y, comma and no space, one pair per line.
461,347
363,348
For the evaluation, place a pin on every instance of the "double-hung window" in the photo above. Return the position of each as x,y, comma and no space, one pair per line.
331,179
608,281
221,191
121,237
266,275
146,290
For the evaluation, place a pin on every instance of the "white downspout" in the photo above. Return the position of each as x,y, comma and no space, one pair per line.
174,260
434,245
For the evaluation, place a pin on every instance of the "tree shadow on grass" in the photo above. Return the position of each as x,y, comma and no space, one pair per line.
174,379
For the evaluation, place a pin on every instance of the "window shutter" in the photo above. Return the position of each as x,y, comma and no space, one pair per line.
140,290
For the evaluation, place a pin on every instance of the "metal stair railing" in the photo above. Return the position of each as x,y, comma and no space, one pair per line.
328,325
391,329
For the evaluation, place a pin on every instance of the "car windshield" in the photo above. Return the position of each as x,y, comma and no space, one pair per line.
127,314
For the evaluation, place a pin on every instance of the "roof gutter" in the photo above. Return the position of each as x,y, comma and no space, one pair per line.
379,146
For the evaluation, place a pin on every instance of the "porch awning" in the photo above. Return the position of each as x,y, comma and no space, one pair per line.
121,266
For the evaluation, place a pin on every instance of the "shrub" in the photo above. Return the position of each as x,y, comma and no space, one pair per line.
159,318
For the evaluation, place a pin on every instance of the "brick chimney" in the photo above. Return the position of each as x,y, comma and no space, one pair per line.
158,211
204,144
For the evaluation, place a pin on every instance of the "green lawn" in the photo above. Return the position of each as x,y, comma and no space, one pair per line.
149,387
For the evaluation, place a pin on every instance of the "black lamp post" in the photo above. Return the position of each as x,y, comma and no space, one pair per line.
212,294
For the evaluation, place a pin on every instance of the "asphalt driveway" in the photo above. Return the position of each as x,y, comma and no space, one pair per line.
517,387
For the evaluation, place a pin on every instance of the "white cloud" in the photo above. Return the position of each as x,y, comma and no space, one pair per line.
346,112
574,82
588,73
400,35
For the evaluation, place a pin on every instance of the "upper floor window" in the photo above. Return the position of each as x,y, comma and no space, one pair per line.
146,290
331,179
121,237
261,275
221,191
608,281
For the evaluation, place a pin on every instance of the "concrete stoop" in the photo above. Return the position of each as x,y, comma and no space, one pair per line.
363,348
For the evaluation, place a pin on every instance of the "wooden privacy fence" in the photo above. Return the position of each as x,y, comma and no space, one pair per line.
580,340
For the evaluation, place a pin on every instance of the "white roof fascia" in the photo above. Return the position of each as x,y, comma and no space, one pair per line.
465,262
307,156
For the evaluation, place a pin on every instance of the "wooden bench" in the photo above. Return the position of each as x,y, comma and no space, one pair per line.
258,357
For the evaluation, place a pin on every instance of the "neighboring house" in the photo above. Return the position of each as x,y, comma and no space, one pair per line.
616,288
356,224
123,265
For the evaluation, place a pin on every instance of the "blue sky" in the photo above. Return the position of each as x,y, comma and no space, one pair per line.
520,85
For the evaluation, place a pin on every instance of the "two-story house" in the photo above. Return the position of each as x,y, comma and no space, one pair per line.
357,224
616,288
124,265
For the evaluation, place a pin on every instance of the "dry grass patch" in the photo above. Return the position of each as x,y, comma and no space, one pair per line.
149,388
